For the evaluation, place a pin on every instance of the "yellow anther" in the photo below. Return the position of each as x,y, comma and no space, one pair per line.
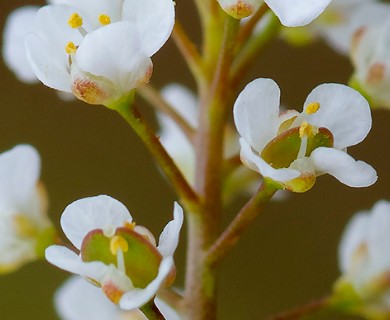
118,243
104,19
312,107
24,226
305,129
75,21
70,48
130,225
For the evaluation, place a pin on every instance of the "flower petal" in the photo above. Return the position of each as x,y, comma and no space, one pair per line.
87,214
354,235
115,53
138,297
343,110
169,238
255,162
68,260
343,167
46,46
19,174
153,21
19,23
77,299
256,112
297,13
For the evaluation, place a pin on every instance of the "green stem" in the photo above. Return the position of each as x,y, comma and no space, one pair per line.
151,311
154,98
304,310
240,223
132,116
189,52
251,50
200,296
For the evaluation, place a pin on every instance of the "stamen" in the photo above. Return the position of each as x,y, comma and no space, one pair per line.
75,21
118,243
70,48
312,107
104,19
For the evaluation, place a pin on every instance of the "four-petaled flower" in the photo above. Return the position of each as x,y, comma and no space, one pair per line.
292,148
25,229
114,253
99,51
291,13
364,287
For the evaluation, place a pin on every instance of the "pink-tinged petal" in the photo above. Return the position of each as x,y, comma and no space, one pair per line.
68,260
18,24
153,21
256,112
297,13
169,238
19,174
255,162
354,236
138,297
85,215
77,299
115,53
343,110
343,167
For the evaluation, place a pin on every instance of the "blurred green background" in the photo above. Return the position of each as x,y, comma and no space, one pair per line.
287,258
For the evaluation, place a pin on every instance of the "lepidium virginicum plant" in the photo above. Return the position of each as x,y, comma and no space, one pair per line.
223,139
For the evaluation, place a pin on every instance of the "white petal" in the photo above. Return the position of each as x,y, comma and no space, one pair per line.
87,214
167,311
379,237
183,101
77,299
115,53
343,167
343,110
68,260
354,235
18,24
299,12
256,112
138,297
46,46
153,21
255,162
169,238
19,174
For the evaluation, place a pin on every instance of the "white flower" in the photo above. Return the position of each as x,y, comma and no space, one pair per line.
100,51
291,13
24,226
293,148
77,299
172,137
370,55
18,24
364,259
114,253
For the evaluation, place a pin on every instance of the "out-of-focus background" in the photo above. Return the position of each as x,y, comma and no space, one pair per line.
288,257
